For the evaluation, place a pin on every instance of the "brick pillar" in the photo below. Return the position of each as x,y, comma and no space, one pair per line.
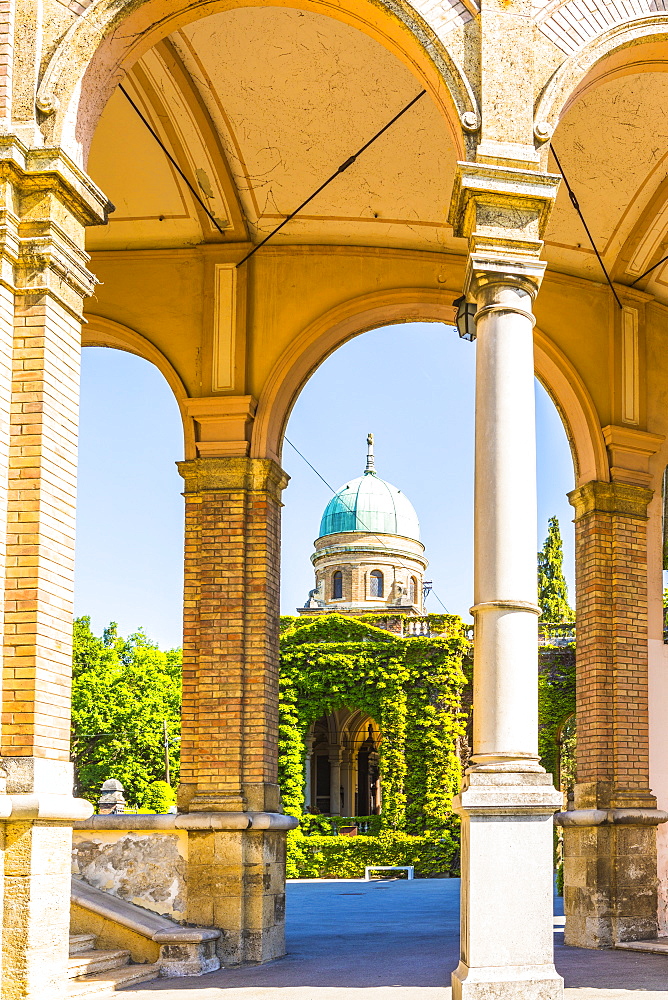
47,202
236,869
610,873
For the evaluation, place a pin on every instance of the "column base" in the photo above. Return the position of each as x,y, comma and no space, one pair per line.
235,882
36,834
507,887
610,869
523,982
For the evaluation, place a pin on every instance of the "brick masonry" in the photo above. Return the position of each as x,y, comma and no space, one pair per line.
230,645
610,871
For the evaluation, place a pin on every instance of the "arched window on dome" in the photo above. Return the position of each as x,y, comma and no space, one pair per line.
412,589
376,584
337,585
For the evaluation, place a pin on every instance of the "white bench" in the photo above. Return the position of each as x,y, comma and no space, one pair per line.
392,868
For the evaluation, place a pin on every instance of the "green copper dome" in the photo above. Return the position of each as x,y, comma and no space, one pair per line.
370,504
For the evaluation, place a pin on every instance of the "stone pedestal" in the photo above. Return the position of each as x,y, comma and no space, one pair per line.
36,830
610,884
235,881
506,926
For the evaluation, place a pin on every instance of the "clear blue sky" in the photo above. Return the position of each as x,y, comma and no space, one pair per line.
411,385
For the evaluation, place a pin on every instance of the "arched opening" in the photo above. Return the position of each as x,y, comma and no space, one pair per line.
433,469
128,581
337,585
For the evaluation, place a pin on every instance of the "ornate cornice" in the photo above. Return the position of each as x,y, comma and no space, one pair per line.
610,498
46,202
233,474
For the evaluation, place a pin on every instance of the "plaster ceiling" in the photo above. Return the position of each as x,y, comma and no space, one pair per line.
286,96
612,143
260,105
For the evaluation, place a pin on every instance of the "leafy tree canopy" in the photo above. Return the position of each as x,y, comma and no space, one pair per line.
122,689
552,588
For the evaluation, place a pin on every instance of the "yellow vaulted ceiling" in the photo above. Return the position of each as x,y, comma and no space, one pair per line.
284,96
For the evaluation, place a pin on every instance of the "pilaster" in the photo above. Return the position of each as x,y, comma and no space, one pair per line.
45,204
235,876
610,836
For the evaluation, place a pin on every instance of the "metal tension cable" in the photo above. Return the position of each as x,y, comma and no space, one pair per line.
649,271
171,159
344,166
576,206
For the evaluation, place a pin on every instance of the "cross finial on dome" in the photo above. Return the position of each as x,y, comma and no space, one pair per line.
370,463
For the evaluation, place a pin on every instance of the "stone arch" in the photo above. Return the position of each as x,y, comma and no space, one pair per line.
92,57
566,83
321,338
98,331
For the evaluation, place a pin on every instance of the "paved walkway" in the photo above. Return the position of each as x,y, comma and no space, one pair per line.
395,940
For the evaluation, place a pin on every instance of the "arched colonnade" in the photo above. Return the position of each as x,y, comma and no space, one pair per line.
163,277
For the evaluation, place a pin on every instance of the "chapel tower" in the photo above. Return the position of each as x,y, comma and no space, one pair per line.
368,556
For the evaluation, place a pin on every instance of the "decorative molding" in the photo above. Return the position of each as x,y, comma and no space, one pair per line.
611,817
224,423
630,367
630,451
225,327
651,244
233,474
571,25
503,212
626,499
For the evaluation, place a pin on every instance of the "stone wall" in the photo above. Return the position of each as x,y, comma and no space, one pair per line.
143,867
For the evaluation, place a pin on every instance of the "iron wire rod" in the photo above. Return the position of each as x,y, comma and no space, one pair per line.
649,270
173,162
576,205
344,166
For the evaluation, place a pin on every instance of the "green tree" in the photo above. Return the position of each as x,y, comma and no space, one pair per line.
159,797
122,690
552,589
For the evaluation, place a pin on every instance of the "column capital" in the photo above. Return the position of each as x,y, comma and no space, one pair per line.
228,474
503,212
46,202
610,498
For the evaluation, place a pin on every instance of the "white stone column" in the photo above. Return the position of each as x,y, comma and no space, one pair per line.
308,764
507,800
335,783
505,686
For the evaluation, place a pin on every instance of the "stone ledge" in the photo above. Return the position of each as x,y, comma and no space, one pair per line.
44,807
655,946
610,817
191,821
184,951
135,918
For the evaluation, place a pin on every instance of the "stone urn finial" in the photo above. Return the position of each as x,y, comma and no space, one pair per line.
111,798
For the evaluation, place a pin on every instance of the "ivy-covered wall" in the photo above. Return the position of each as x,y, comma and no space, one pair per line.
412,686
556,712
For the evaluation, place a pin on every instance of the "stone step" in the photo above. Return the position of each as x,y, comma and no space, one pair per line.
81,942
654,946
87,962
104,984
